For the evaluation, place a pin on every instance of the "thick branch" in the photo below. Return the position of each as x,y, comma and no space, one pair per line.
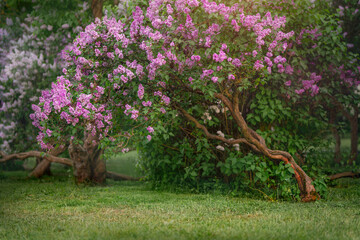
304,182
212,136
119,177
228,104
344,174
24,155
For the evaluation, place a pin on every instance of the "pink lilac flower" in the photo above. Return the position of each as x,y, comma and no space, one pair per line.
195,58
300,91
231,77
141,91
150,129
258,65
48,132
289,70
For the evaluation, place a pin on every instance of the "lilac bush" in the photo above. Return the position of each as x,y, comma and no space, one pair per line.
180,55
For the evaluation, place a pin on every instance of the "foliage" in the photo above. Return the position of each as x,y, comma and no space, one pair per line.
286,124
180,156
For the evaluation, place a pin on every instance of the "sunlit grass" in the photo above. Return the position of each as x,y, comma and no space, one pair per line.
55,208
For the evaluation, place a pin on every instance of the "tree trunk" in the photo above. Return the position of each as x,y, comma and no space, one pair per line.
97,7
353,119
81,164
88,165
334,130
354,136
97,163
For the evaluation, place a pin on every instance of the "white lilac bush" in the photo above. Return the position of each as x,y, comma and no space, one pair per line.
30,57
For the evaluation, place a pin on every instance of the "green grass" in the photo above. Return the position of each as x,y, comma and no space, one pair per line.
55,208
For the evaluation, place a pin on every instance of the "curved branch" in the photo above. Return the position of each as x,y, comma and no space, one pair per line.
306,187
22,156
213,136
119,177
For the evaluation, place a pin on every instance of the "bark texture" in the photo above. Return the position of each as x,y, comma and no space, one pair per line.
43,166
97,7
88,165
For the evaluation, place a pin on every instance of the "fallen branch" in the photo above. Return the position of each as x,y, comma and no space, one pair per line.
120,177
22,156
343,175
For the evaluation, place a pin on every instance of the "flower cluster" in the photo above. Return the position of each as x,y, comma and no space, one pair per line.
107,68
265,40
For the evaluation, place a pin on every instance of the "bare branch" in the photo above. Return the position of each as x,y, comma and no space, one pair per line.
210,135
25,155
118,176
344,174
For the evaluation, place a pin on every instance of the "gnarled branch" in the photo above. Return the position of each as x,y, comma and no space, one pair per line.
24,155
210,135
306,187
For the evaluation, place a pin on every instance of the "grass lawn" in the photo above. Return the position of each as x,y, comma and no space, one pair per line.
55,208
